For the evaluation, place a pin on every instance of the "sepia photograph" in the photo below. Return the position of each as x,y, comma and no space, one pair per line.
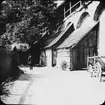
52,52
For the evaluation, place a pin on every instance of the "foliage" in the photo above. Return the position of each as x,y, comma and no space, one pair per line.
23,20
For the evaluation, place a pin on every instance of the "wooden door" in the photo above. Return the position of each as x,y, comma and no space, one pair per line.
54,57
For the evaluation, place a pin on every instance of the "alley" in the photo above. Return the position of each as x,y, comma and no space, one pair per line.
68,36
53,86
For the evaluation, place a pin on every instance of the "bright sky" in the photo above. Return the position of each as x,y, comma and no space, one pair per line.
59,2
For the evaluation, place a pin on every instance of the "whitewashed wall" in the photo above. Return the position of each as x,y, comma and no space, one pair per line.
92,8
75,17
48,57
63,55
101,44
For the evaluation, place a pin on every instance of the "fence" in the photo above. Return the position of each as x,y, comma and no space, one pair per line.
7,64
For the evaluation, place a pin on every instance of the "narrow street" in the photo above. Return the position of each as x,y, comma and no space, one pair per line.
56,87
52,35
52,86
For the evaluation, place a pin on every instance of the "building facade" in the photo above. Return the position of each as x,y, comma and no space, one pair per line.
78,36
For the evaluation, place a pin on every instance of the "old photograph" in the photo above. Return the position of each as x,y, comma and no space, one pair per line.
52,52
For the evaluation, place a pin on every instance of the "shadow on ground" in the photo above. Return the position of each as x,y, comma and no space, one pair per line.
8,83
25,77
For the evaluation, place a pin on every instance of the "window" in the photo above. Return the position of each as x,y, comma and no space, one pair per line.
67,9
70,7
75,5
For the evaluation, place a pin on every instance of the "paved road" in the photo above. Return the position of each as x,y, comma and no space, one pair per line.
56,87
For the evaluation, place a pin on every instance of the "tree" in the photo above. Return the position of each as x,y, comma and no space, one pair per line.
23,20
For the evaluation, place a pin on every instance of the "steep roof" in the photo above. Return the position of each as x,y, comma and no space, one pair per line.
48,41
59,35
74,38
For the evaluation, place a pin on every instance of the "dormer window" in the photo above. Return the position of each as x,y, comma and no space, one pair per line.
67,9
70,7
